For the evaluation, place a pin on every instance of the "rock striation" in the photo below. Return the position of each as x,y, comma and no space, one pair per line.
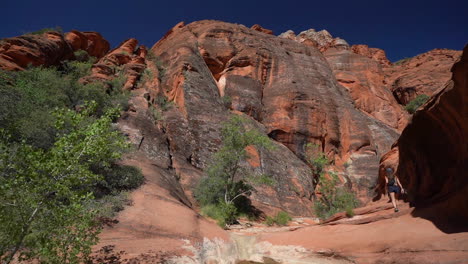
424,74
433,153
48,48
322,39
287,89
91,42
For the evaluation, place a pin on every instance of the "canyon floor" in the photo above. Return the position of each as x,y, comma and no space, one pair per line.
158,228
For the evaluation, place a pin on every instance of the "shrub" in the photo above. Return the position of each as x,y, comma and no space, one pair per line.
269,221
117,178
282,218
414,104
83,56
224,214
227,181
45,30
333,199
227,101
402,61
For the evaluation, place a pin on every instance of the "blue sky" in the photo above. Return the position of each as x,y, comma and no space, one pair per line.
401,28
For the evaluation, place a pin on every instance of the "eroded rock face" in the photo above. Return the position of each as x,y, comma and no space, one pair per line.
128,59
92,42
433,158
322,39
364,79
46,49
372,53
424,74
262,29
286,88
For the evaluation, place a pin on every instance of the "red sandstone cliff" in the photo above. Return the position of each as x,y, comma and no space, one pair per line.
48,48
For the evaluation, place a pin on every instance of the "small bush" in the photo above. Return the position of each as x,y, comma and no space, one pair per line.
402,61
45,30
224,214
83,56
269,221
117,178
282,218
109,205
333,199
414,104
349,212
227,101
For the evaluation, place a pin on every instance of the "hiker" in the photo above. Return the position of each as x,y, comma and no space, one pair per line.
393,186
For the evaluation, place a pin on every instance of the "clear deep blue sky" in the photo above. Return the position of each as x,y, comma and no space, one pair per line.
401,28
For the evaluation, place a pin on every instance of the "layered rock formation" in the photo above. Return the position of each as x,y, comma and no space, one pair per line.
360,70
127,60
286,88
364,78
48,48
424,74
322,39
372,53
433,159
91,42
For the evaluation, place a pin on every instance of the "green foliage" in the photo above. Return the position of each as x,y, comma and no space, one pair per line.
158,62
227,101
83,56
316,158
414,104
402,61
108,205
118,178
29,97
269,221
224,214
333,199
45,30
226,180
44,193
281,218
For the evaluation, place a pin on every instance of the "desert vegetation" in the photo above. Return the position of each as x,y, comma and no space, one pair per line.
59,162
414,104
227,183
333,198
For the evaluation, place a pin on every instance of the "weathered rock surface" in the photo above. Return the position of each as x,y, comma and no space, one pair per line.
46,49
128,60
372,53
424,74
262,29
92,42
286,88
364,79
322,39
433,159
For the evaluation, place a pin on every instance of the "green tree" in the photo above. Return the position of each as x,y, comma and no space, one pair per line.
44,193
317,161
333,199
226,180
414,104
